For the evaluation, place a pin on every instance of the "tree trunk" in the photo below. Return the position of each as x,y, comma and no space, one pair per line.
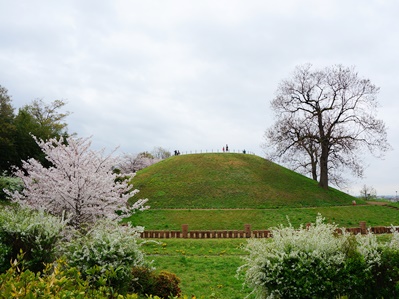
314,173
313,162
324,167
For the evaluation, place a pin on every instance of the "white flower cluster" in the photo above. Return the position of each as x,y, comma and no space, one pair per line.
35,226
311,262
107,245
36,233
80,182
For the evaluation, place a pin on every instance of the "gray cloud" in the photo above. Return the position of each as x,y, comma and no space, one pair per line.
192,75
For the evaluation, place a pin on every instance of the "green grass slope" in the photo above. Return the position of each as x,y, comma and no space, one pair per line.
229,181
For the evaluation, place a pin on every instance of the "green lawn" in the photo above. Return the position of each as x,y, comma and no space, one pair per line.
207,268
234,219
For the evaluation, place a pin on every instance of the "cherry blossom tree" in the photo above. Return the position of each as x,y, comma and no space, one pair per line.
80,183
130,163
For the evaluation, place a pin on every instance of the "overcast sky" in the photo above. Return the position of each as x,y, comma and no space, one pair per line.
193,75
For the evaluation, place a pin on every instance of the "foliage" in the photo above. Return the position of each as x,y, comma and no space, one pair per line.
10,183
80,182
50,121
34,232
57,281
38,118
166,284
148,282
7,131
327,118
230,180
106,248
315,262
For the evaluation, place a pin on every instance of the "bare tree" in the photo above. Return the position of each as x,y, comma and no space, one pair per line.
325,119
368,192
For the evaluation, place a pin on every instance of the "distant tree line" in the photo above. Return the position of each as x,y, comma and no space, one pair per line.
17,129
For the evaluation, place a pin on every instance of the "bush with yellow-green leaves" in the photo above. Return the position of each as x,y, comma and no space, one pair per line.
56,281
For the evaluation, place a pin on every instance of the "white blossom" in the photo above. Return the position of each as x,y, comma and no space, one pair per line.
80,182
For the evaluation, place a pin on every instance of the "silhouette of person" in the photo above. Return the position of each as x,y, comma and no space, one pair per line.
223,149
227,148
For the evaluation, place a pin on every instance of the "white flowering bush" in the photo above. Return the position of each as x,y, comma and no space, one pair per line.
317,262
80,182
35,233
107,250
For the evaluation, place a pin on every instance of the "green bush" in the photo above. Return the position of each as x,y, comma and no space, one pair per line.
108,248
10,183
166,285
148,282
35,233
4,255
316,262
143,280
386,275
56,281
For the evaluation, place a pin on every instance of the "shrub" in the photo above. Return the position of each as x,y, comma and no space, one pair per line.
4,254
35,233
10,183
108,248
143,280
166,285
56,281
315,262
148,282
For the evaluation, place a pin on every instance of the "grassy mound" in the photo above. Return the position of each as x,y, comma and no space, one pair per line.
230,181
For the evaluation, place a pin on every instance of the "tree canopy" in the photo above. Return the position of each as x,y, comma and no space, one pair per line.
41,119
7,131
325,118
80,183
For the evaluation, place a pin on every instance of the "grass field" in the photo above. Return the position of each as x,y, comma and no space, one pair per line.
207,268
234,219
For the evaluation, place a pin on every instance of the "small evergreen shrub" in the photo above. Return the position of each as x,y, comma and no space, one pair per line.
35,233
107,249
143,280
166,285
148,282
